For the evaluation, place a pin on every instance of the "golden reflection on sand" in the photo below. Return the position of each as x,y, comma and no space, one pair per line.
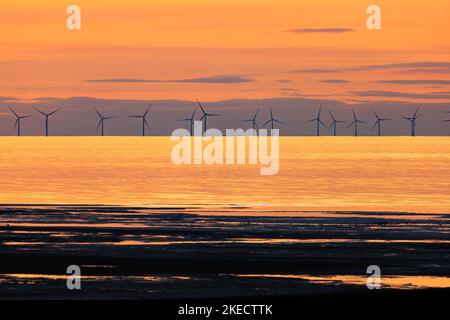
397,282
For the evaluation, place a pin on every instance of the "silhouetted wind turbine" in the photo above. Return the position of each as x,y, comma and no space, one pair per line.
378,122
334,123
205,116
18,119
412,120
318,120
144,120
355,123
190,121
272,120
253,121
46,115
102,121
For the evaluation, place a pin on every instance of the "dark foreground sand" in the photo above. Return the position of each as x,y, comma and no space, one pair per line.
178,253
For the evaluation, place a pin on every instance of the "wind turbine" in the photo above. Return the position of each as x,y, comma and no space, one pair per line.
191,122
253,121
334,123
18,119
144,120
318,120
272,120
205,116
102,121
412,120
378,122
355,123
46,115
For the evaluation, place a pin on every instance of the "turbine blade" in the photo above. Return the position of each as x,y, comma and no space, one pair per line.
39,111
331,114
375,124
200,105
265,123
146,111
98,113
54,111
13,112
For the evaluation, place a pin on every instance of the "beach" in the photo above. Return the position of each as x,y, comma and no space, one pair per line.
175,253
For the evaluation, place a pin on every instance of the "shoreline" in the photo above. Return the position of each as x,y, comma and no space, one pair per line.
169,254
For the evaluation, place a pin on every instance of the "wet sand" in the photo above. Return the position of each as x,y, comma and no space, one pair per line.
174,253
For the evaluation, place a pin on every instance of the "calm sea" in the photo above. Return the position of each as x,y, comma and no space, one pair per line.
326,173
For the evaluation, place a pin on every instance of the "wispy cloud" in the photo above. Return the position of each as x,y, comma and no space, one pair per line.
414,82
320,30
411,67
337,81
6,99
222,79
394,94
283,81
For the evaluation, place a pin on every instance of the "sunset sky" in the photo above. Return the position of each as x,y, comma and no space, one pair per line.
303,52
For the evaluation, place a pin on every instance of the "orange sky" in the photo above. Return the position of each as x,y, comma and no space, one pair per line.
248,39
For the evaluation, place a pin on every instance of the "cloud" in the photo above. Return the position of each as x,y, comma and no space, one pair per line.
393,94
283,81
414,82
321,30
338,81
411,67
223,79
6,99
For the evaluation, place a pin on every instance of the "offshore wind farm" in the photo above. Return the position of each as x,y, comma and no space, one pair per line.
270,123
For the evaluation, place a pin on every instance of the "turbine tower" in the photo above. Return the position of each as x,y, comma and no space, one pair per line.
102,121
272,120
318,120
46,115
412,121
18,119
144,120
355,123
334,123
253,121
378,122
205,116
190,121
